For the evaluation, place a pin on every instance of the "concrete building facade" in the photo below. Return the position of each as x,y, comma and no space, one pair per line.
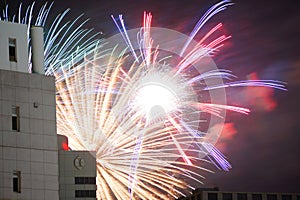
28,140
77,173
35,163
14,41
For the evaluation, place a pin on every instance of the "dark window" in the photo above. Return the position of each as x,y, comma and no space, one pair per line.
199,196
298,197
242,196
256,197
79,180
271,197
15,118
212,196
85,193
17,181
227,196
12,49
286,197
85,180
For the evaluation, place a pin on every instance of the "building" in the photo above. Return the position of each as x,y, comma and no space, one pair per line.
33,164
13,39
215,194
77,172
28,140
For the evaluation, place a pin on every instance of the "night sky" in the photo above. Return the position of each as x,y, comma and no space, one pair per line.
263,147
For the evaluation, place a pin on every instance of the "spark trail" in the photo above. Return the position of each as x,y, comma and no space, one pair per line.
140,105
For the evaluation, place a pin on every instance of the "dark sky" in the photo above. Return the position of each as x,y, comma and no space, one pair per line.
265,150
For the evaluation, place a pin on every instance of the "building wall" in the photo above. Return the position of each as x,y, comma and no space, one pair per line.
29,160
33,149
225,195
71,167
18,32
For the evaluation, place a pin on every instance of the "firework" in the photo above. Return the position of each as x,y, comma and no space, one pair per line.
65,43
144,101
139,101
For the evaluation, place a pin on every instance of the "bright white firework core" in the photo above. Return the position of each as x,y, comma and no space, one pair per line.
155,100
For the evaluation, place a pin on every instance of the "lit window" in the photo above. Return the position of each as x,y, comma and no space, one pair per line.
17,181
15,118
12,49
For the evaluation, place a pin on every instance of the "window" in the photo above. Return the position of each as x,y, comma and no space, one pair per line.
227,196
199,196
15,118
17,181
271,197
298,197
85,180
286,197
212,196
256,197
85,193
12,49
242,196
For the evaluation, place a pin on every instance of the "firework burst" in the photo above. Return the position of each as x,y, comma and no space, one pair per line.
144,100
139,101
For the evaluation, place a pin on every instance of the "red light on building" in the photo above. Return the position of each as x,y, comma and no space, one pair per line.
65,146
